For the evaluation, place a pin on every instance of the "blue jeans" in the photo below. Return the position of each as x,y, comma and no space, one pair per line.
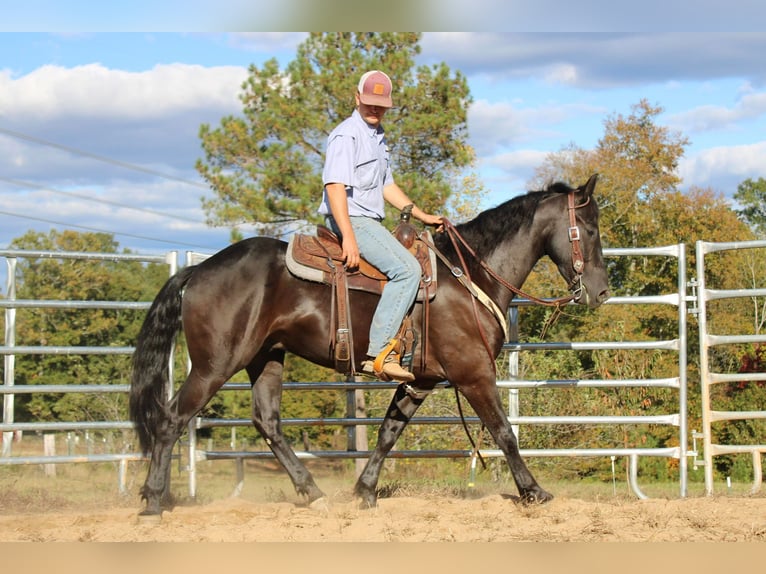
378,246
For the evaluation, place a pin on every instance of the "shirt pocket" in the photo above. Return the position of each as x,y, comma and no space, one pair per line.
367,173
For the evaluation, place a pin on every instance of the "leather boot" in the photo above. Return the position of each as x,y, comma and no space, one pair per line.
386,366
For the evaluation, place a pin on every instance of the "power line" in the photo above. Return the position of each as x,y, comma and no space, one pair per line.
34,139
104,159
97,230
29,184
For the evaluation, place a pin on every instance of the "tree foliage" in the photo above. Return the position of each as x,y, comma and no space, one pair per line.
641,206
77,280
265,165
751,194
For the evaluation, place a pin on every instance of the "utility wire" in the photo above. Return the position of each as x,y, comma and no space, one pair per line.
76,151
29,184
102,158
95,229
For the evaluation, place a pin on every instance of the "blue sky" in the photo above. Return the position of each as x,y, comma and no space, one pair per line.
94,122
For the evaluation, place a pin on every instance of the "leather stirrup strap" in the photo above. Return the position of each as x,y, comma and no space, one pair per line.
424,338
344,360
341,342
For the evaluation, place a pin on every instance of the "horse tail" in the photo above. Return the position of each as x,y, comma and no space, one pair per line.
154,345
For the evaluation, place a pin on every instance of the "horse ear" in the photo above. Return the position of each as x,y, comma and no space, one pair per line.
589,186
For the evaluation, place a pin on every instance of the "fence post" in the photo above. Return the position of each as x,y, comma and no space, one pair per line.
49,449
9,361
361,430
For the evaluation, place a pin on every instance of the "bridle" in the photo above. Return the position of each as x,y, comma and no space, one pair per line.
578,261
464,278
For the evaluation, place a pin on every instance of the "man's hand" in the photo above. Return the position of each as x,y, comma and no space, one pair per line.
350,251
433,220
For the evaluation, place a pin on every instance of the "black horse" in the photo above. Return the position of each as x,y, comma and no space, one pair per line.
243,309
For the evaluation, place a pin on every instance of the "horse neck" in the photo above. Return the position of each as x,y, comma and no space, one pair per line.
511,257
513,260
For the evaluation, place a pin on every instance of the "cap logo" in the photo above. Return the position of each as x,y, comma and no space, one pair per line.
378,89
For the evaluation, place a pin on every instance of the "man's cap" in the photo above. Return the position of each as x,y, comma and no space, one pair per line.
375,89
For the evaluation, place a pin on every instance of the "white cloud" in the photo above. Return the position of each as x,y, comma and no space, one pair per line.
147,119
161,214
751,106
723,168
600,60
151,118
517,162
94,91
562,74
495,126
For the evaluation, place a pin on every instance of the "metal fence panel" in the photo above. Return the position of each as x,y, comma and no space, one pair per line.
708,377
678,383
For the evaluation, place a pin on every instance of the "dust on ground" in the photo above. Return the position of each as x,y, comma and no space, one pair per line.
82,504
426,518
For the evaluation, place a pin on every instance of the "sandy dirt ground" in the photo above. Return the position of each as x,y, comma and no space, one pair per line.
420,529
80,504
491,518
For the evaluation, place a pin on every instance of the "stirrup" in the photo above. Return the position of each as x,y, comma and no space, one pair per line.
386,365
383,356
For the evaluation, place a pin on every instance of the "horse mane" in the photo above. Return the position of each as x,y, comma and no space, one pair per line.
484,231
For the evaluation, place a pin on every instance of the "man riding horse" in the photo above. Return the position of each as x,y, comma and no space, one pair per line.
357,181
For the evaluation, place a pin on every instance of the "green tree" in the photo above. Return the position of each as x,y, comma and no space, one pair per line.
641,206
77,279
265,165
751,195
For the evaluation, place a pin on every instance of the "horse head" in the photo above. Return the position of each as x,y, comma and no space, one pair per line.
575,246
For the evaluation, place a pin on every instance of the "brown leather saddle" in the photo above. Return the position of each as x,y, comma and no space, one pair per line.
319,258
316,258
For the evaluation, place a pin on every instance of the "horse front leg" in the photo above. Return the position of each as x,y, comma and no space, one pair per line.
485,400
403,405
267,400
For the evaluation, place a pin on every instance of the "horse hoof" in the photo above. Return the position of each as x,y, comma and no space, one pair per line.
537,497
367,502
321,504
149,518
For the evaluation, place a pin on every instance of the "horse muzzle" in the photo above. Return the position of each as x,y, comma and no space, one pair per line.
582,296
585,298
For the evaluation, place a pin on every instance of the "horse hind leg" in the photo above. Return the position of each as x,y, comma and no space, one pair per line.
156,488
190,398
267,400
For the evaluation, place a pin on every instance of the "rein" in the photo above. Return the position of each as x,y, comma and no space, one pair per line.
578,262
463,277
461,274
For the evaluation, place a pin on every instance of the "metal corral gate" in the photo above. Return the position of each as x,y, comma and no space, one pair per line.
677,418
708,378
677,345
10,349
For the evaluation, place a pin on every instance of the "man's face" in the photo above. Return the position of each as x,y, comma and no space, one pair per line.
373,115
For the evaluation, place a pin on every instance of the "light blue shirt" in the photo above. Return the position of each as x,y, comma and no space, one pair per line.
357,156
